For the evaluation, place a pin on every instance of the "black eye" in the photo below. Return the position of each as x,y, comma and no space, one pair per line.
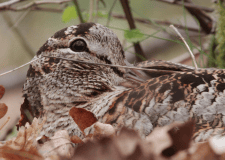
78,45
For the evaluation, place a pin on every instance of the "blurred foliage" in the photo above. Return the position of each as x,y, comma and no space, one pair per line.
133,35
212,53
220,36
69,13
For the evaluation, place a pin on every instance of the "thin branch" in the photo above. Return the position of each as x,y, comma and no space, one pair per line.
129,17
17,33
192,55
46,9
96,11
8,5
103,3
186,56
91,9
93,63
78,11
19,67
20,18
205,21
146,21
111,65
110,13
190,5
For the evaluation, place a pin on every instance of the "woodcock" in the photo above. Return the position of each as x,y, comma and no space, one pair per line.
141,100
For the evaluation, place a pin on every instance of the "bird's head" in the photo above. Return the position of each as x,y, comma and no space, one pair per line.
89,42
51,79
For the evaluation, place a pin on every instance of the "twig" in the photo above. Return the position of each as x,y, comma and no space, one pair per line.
205,21
46,9
92,63
130,20
111,65
186,56
96,11
23,42
91,9
192,55
110,13
146,21
103,3
18,67
78,11
8,5
190,5
21,18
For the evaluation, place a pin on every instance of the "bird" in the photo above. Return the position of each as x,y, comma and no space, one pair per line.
123,97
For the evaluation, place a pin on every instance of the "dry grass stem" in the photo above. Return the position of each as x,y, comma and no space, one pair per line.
192,55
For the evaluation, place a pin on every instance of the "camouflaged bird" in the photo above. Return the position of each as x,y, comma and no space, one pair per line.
141,100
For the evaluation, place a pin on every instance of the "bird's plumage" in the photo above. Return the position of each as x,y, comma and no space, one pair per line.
54,86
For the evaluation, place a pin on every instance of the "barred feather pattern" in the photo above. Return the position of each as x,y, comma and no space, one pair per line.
54,86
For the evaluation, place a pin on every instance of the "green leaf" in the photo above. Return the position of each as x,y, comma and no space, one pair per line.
69,13
133,35
102,14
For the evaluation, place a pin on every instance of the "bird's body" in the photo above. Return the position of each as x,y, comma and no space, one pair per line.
121,97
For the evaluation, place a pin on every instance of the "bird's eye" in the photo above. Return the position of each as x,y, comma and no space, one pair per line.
78,45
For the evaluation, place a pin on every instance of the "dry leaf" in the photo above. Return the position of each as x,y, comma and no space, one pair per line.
24,145
3,109
181,137
75,139
98,130
7,153
204,152
168,140
2,91
217,144
103,130
58,145
82,118
127,146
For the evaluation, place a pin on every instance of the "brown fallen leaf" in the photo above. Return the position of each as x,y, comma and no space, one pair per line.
129,142
7,153
128,145
107,147
103,130
98,130
204,152
23,146
169,140
76,139
82,117
3,109
181,136
57,146
218,144
2,91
